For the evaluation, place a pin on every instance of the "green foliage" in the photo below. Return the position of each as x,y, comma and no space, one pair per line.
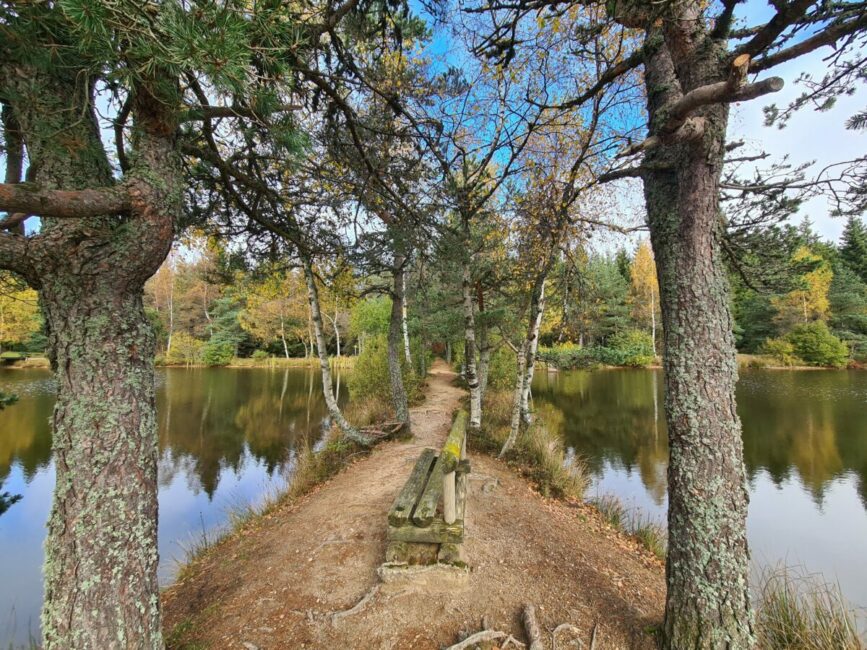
370,378
502,369
217,353
185,350
630,347
817,346
853,247
370,316
782,351
260,355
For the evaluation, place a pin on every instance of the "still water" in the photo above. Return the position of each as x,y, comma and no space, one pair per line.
227,438
805,447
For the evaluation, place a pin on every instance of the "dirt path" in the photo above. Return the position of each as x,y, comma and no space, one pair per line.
278,584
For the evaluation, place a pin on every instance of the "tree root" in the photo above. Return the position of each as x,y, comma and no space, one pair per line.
485,636
534,634
361,604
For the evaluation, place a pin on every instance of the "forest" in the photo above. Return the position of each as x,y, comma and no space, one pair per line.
496,183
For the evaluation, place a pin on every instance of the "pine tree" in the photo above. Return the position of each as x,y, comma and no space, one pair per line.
853,247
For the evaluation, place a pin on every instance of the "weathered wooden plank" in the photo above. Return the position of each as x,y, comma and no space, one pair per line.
453,448
437,533
401,510
426,508
449,498
461,499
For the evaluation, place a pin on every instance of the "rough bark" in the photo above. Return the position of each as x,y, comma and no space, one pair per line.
101,587
395,338
707,568
331,405
485,350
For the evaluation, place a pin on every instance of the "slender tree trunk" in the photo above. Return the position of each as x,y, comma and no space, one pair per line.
283,337
404,321
171,303
707,567
395,372
520,377
327,386
471,373
537,309
337,334
449,352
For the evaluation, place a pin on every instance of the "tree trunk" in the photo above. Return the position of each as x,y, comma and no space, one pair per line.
100,569
337,334
520,377
404,321
283,337
101,558
537,309
707,568
470,372
653,319
395,335
485,350
348,430
449,352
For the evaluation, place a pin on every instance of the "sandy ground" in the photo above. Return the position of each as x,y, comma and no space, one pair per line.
280,583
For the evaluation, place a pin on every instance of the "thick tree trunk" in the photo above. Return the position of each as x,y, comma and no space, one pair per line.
101,558
395,337
707,568
331,405
470,372
537,309
101,587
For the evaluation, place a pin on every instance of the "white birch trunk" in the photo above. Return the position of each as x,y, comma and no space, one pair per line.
471,373
330,402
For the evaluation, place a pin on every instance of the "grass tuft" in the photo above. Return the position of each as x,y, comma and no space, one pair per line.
633,522
800,611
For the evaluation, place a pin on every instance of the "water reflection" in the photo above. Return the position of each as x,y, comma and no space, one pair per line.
805,450
226,437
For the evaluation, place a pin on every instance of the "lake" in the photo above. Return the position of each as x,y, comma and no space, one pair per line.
227,439
805,448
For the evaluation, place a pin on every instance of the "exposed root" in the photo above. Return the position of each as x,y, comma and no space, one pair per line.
534,634
361,604
482,637
567,627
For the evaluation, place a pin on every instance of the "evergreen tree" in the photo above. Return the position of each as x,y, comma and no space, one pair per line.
853,246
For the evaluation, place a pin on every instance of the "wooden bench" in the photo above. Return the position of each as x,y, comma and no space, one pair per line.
426,521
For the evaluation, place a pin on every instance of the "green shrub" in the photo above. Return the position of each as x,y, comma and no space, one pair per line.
370,378
502,369
631,348
185,349
217,353
259,355
817,346
782,351
628,348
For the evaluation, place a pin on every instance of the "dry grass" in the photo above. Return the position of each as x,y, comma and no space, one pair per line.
539,452
633,522
800,611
